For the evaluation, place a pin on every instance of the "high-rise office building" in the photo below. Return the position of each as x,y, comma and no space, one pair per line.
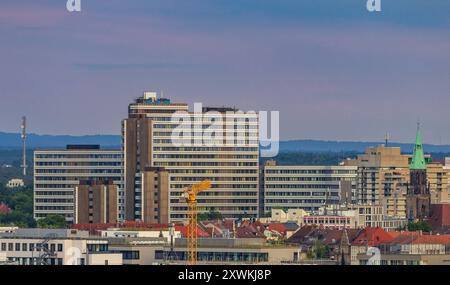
231,165
58,171
307,187
95,202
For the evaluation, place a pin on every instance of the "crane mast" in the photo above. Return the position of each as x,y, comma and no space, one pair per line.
190,196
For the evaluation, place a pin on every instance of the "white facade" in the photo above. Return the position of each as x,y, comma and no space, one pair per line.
15,183
122,233
57,172
306,187
65,251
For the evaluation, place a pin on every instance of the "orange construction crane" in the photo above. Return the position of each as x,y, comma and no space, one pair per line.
190,197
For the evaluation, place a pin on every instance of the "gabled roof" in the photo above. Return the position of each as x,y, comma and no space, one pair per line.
372,237
419,238
310,233
183,230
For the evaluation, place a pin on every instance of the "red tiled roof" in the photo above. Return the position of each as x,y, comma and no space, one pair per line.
183,230
418,238
372,237
94,228
278,227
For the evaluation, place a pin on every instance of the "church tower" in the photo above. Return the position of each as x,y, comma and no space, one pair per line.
418,200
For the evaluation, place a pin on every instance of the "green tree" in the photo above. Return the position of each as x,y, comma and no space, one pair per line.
318,251
211,215
52,222
419,226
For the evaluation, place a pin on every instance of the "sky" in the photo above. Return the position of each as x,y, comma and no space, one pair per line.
333,70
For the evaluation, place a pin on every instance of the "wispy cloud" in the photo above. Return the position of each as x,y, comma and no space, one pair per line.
133,66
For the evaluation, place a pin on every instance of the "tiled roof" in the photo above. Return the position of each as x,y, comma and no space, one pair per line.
418,238
372,237
309,233
183,230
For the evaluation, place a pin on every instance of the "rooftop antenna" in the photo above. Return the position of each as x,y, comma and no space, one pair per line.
386,139
24,137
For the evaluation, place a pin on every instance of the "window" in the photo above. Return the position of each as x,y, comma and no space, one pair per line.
17,247
24,247
130,255
3,246
60,247
52,247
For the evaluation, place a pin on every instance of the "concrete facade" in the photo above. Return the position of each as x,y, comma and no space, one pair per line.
58,172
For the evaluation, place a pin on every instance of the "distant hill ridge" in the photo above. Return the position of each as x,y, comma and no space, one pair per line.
12,140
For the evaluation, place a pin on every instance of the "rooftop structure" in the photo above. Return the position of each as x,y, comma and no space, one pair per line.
418,159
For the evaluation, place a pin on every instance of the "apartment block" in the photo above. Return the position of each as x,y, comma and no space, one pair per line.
307,187
438,177
383,176
58,171
95,202
231,164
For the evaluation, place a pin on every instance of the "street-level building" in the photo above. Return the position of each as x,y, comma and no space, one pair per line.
55,247
58,171
229,251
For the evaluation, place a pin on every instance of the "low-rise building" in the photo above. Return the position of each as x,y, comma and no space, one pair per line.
56,247
15,183
229,251
409,248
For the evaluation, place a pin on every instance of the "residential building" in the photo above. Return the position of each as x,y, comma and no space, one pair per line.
438,177
383,175
307,187
231,165
410,248
58,171
95,202
367,242
15,183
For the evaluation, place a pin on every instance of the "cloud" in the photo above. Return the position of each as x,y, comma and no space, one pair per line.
132,66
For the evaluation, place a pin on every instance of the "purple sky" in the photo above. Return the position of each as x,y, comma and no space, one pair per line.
333,70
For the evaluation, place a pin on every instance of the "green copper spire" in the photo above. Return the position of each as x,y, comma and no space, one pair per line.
418,159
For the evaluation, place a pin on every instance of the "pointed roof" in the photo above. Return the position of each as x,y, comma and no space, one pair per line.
418,159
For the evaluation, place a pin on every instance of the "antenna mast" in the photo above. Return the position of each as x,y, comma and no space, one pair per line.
24,149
